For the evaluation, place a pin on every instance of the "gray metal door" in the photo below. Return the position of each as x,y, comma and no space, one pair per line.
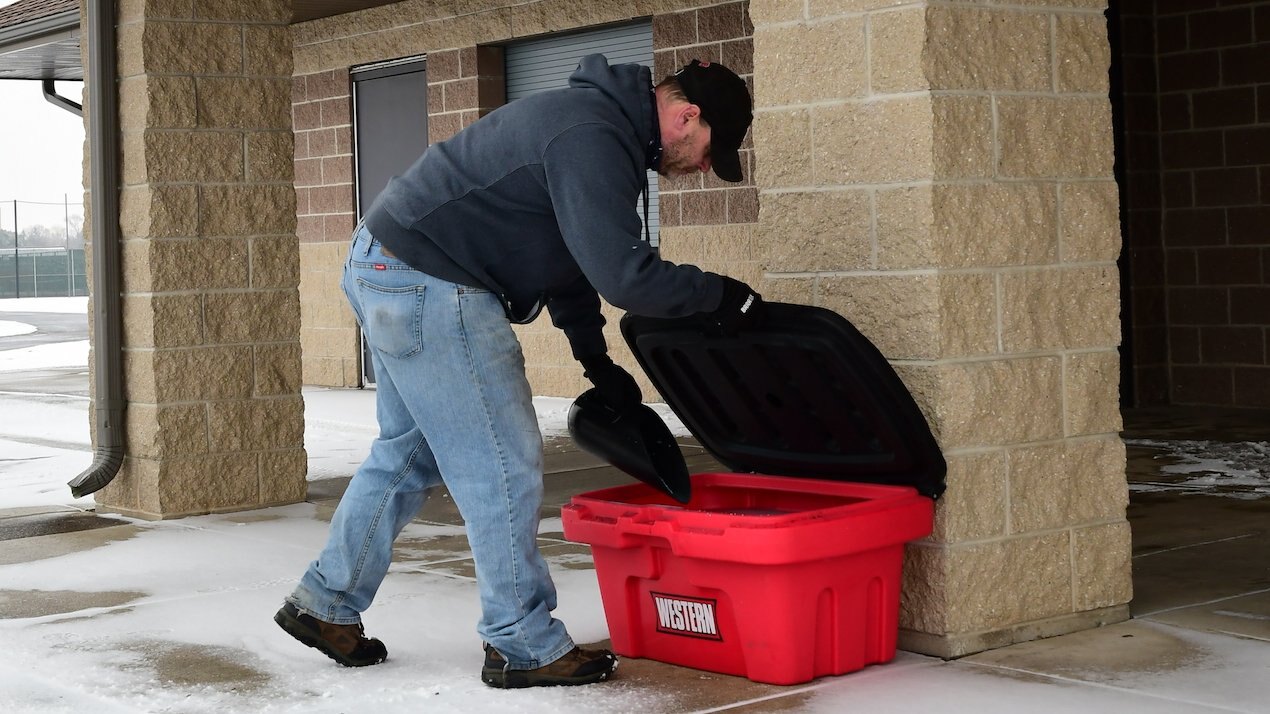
390,123
546,63
390,131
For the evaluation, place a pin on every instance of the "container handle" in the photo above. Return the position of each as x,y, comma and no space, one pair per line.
646,531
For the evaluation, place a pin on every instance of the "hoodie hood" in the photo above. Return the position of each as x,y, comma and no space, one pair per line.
627,85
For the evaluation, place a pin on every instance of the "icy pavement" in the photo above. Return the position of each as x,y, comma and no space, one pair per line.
1239,469
175,616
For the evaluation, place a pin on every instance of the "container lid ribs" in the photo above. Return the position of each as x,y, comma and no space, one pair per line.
803,393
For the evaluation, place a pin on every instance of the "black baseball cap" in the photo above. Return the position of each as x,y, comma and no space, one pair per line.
725,105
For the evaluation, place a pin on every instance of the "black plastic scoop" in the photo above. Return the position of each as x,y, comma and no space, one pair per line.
634,440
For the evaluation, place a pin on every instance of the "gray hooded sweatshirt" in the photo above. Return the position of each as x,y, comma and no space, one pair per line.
536,203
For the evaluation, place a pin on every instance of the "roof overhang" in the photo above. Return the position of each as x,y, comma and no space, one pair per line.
48,46
43,48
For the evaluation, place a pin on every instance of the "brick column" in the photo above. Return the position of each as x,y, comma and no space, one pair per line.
463,86
211,311
945,182
1213,79
326,203
705,220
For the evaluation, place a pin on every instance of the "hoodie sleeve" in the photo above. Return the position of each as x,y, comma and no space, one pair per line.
576,311
594,183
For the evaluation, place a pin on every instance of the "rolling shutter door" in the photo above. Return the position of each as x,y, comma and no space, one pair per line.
546,63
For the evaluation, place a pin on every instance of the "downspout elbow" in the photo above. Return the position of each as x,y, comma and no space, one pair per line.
107,460
50,93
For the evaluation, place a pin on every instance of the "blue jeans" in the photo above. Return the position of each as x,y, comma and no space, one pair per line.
454,407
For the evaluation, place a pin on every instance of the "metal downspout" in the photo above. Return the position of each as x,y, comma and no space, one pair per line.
103,148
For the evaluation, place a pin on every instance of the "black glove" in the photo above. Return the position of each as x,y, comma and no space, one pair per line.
740,306
614,384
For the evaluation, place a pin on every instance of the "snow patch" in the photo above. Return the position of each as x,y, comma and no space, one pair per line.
1238,469
60,354
67,305
8,328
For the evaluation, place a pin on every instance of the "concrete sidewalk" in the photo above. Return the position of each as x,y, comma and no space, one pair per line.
185,627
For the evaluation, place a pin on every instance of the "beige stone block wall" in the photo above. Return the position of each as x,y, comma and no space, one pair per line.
947,186
418,27
328,328
211,312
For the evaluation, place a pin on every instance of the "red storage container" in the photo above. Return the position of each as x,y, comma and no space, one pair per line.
780,577
780,580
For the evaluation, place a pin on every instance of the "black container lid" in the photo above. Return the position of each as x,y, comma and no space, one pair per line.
803,393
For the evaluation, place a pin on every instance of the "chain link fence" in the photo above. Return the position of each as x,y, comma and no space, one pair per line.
42,249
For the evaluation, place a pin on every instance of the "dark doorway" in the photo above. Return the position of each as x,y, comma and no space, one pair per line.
390,131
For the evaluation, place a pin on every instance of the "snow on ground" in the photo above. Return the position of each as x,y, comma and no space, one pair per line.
8,328
60,354
1239,469
36,475
186,591
64,354
69,305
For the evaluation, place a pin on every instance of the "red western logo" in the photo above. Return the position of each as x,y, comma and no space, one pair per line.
689,616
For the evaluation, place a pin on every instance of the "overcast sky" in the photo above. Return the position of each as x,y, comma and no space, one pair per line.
41,146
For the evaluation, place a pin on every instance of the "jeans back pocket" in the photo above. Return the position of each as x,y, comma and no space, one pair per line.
392,317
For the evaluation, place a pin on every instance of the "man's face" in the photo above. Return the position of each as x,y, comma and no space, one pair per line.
688,152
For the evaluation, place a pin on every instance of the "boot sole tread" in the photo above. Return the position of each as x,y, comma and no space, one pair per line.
498,678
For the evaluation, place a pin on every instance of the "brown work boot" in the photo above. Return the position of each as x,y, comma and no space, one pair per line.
578,666
343,643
